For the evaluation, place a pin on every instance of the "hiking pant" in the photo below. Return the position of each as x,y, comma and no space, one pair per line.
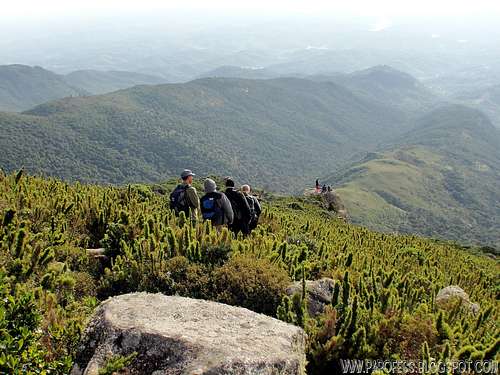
239,226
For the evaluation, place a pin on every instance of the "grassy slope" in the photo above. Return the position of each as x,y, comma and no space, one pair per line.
443,182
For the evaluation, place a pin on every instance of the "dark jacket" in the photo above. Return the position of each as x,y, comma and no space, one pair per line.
239,204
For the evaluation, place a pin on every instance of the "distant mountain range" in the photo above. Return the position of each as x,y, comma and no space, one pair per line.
23,87
98,82
277,133
229,71
432,167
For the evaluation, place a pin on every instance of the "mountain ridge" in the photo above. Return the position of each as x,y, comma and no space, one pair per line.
23,87
272,122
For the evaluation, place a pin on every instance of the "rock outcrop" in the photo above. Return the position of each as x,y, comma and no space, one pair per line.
319,294
334,203
177,335
331,201
449,294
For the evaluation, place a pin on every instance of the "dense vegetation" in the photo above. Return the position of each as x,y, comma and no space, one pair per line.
435,172
23,87
383,306
442,180
279,133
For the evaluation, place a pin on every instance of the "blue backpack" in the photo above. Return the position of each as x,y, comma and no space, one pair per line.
211,208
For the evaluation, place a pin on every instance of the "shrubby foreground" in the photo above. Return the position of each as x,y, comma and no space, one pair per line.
383,299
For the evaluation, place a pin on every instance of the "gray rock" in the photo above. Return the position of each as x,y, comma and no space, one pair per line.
319,294
454,292
177,335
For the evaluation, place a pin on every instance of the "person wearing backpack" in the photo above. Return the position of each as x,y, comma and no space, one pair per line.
215,206
254,205
240,208
184,198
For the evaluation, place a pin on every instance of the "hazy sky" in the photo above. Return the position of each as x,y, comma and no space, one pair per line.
19,9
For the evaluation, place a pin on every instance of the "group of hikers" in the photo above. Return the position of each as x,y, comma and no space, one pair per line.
237,209
322,189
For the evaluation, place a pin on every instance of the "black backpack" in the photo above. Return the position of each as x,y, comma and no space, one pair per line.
211,208
178,201
251,204
233,197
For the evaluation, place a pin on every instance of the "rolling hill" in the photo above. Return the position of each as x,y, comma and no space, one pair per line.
382,83
390,86
99,82
487,100
278,133
440,179
23,87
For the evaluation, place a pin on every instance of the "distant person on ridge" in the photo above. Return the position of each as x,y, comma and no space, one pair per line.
184,198
240,207
323,189
255,209
215,206
318,187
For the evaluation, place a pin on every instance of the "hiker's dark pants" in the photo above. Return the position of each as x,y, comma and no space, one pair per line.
239,226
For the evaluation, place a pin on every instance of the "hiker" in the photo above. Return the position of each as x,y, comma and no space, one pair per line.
215,206
240,208
329,188
184,198
318,188
254,205
323,189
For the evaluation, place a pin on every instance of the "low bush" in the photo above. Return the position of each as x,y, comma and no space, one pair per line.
253,283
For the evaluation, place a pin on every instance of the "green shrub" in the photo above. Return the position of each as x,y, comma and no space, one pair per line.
249,282
189,279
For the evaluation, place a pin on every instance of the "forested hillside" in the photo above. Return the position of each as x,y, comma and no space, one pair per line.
440,179
383,305
23,87
280,134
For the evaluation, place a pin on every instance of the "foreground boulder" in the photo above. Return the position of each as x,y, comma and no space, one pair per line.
319,294
177,335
